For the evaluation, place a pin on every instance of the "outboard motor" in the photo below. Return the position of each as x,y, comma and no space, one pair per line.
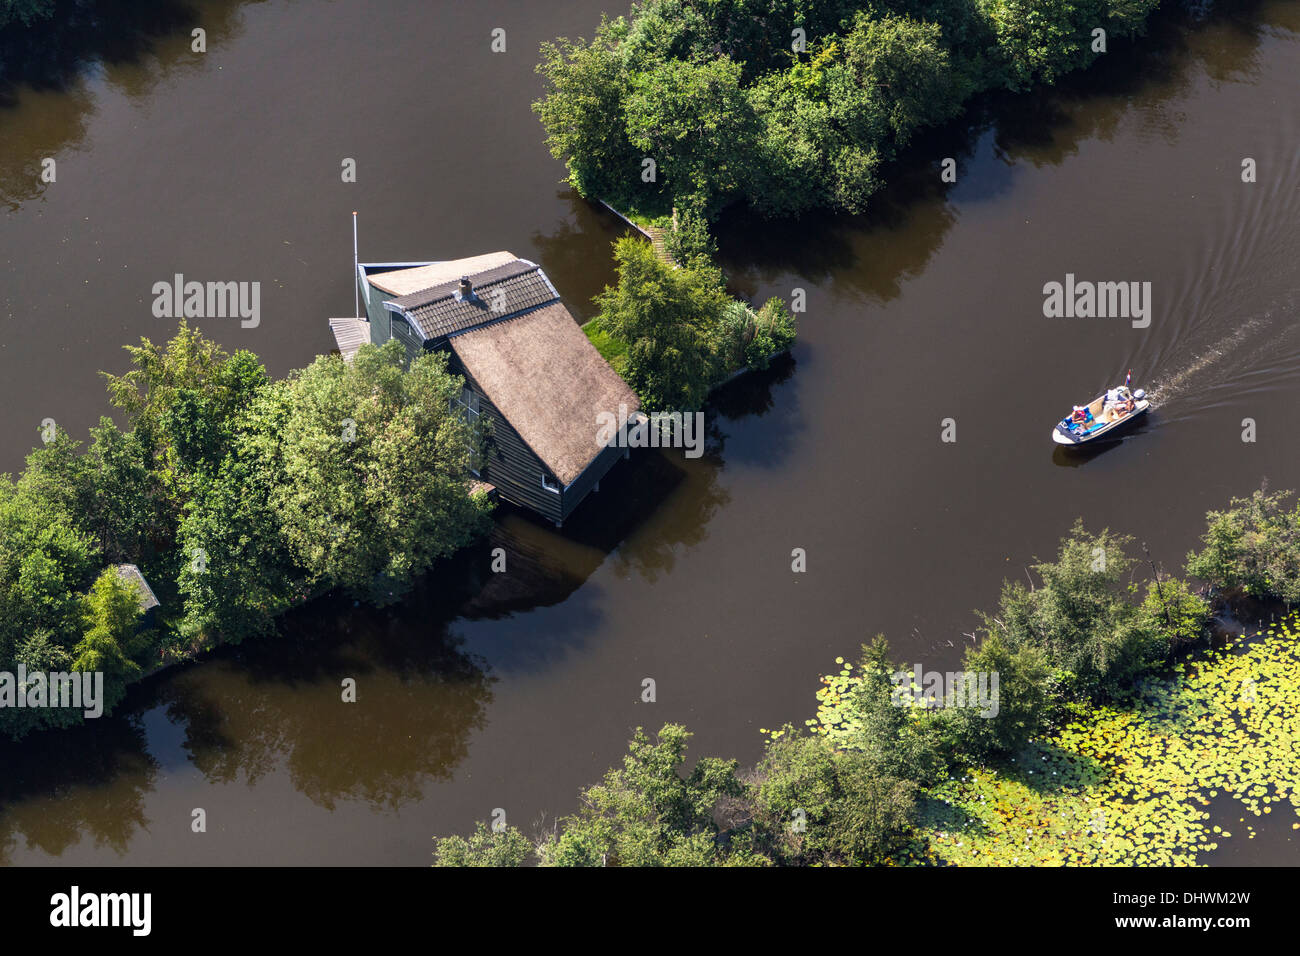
1140,394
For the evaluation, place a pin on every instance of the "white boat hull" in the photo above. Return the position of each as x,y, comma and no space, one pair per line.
1100,429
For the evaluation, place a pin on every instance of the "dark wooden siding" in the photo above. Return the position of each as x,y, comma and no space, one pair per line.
582,485
377,314
508,462
403,332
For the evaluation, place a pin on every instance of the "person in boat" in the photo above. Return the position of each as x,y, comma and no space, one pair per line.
1082,415
1112,408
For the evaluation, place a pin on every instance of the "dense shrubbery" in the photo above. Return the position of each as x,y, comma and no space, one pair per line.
677,331
24,12
1255,546
849,790
1093,637
237,496
714,93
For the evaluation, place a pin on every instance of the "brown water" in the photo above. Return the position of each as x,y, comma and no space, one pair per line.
512,691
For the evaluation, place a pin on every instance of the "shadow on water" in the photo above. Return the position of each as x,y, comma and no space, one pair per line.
53,52
277,704
661,487
84,783
752,395
909,217
274,706
271,706
565,252
131,46
1074,456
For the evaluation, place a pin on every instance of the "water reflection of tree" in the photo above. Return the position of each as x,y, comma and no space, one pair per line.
43,69
275,705
63,786
577,254
752,395
1147,76
871,255
278,703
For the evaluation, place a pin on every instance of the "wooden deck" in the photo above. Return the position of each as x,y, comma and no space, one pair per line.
350,334
656,235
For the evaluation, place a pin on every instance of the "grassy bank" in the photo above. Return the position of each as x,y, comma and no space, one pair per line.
673,332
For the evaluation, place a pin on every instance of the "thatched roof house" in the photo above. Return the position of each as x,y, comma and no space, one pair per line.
525,363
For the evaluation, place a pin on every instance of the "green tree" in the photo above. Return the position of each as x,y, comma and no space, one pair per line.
795,789
1078,616
582,113
1028,699
45,562
671,320
648,813
896,78
1039,40
893,740
694,121
1175,616
181,400
41,652
111,614
813,804
25,12
60,477
236,570
875,816
375,470
485,847
124,514
829,122
1254,545
803,159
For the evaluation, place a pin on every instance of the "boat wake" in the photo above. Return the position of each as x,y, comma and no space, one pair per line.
1261,354
1164,391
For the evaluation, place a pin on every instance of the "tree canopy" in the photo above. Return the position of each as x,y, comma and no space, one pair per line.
237,496
789,105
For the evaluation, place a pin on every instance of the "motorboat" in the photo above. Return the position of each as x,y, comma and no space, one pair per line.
1106,414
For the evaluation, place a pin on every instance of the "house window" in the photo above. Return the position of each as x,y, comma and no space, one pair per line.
468,401
469,411
551,484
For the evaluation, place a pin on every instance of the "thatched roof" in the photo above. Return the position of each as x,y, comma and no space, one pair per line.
131,574
548,380
350,334
497,293
406,281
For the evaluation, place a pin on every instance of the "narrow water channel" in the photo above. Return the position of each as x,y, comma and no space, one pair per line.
486,691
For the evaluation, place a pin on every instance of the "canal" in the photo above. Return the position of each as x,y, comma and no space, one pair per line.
512,691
